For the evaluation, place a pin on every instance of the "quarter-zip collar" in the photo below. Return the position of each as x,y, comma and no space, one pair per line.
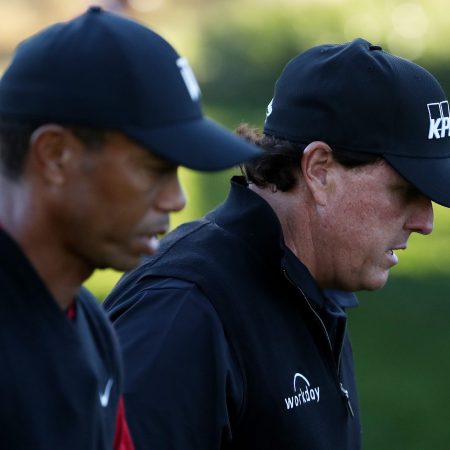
261,224
264,226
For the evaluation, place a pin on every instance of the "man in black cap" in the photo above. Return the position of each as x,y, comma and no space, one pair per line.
234,333
96,114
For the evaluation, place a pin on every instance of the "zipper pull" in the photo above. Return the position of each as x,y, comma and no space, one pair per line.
347,400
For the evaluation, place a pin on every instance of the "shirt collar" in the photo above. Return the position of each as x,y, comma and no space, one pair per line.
301,276
342,298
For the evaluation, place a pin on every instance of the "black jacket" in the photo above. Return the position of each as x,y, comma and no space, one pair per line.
229,344
59,378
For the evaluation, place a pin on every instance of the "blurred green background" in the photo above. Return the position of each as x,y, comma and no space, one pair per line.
237,49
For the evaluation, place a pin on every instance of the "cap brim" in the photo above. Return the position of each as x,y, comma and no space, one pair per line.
199,144
431,176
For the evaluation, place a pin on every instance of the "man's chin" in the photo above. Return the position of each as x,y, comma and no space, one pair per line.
121,263
376,283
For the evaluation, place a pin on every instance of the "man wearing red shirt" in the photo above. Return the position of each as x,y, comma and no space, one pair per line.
96,115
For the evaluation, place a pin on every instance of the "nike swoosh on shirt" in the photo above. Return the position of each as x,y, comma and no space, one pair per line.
104,398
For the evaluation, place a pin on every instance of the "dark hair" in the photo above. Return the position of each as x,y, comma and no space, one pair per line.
279,164
15,140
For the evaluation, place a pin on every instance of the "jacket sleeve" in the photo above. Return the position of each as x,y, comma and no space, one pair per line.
183,389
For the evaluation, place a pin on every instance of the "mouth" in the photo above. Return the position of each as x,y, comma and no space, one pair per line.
149,243
392,254
392,250
152,239
161,232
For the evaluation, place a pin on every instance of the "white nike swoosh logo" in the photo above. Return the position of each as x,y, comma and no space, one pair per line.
104,398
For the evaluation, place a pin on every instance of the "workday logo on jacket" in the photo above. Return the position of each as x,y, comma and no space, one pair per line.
304,393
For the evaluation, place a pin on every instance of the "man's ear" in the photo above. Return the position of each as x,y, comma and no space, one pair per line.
317,163
50,152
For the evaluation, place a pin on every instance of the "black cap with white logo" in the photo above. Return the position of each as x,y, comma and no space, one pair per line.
357,97
108,71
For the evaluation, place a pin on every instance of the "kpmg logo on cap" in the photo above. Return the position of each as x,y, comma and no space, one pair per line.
439,120
189,78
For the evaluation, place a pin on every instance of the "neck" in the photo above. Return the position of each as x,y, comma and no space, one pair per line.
22,216
293,211
61,274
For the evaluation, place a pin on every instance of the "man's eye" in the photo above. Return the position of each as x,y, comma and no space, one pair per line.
411,193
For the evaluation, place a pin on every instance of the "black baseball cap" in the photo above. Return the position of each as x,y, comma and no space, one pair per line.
107,71
358,97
